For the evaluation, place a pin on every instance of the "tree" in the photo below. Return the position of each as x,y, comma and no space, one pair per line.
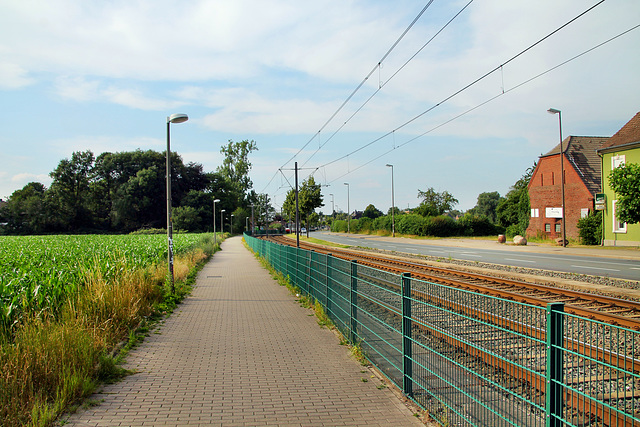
236,166
71,189
625,181
514,210
371,212
26,212
487,205
309,198
434,203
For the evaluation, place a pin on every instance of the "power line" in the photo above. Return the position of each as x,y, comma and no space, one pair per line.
504,92
459,91
362,82
387,81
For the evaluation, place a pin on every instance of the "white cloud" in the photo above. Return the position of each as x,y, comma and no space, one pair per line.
13,76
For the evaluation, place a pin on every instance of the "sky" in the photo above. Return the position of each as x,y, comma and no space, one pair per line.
342,87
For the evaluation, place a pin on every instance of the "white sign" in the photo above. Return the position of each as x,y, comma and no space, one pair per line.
553,213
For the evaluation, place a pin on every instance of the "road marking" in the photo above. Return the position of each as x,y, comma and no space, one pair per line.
594,268
470,254
635,268
519,260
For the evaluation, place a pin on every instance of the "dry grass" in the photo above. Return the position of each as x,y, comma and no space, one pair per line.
51,362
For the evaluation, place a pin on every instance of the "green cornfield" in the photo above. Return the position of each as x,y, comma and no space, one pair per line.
38,272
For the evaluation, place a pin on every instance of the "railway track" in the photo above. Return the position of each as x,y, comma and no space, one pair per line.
522,341
614,311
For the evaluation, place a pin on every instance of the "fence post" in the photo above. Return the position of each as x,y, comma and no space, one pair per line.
555,363
353,299
327,284
407,364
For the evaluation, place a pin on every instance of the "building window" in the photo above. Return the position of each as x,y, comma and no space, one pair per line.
618,226
535,213
617,161
558,229
547,228
541,180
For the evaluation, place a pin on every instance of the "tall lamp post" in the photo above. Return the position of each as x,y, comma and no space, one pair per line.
559,113
222,221
215,237
174,118
348,210
332,208
393,204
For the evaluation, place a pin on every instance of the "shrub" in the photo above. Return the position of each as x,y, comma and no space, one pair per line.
476,225
441,226
591,228
411,224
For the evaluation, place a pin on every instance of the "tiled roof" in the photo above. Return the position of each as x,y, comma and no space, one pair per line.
628,134
580,152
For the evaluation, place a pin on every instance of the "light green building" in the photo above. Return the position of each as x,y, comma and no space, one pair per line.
621,148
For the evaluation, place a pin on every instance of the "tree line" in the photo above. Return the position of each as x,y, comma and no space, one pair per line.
126,191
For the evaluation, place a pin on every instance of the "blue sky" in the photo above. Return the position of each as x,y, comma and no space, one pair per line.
103,76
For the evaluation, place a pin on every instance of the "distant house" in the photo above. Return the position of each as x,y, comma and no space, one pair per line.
621,148
582,172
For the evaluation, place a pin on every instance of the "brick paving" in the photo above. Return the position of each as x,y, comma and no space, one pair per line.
241,352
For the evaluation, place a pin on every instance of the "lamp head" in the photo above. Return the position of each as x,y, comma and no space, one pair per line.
216,200
389,166
177,118
553,111
346,183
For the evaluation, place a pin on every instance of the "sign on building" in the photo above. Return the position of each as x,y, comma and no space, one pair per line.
553,213
601,201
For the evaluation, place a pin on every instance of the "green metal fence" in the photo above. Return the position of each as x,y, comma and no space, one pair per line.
473,359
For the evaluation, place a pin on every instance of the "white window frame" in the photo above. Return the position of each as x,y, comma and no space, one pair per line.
617,160
618,227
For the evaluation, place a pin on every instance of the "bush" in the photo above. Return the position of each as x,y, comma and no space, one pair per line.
411,224
591,228
476,225
441,226
382,223
339,226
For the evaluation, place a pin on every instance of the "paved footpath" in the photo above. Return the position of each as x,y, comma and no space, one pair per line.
240,351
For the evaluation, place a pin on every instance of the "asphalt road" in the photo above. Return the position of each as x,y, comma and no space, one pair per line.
554,259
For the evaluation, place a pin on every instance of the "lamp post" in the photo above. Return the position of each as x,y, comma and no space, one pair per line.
174,118
246,223
348,210
215,237
222,221
559,113
332,208
393,204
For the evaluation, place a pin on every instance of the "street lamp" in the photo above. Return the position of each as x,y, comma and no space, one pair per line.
246,223
393,204
559,113
174,118
231,224
348,210
222,221
332,208
215,237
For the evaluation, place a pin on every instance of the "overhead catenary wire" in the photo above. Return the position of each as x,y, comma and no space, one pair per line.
464,88
351,95
503,92
383,84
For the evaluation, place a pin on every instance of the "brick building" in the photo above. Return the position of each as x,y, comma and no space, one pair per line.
582,176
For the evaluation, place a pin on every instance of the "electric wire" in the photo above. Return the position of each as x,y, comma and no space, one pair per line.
459,91
503,92
362,82
386,82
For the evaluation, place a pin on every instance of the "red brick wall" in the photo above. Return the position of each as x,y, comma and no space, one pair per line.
545,191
